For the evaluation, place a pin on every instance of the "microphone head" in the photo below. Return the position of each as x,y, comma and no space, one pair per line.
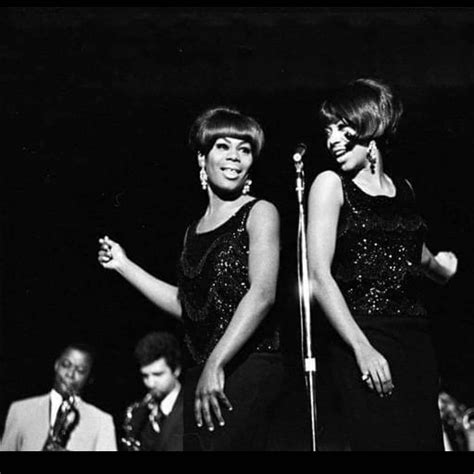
300,150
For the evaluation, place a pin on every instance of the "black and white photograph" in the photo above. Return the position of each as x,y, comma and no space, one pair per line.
237,229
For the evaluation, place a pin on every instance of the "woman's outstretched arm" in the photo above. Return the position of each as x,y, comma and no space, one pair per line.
165,296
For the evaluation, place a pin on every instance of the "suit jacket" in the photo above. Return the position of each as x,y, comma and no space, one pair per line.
27,427
170,437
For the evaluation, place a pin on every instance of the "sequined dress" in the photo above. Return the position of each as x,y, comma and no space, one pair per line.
378,260
213,279
377,266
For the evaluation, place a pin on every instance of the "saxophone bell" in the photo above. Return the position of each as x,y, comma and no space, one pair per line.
468,419
136,415
458,423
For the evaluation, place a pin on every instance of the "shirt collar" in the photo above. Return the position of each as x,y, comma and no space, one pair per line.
56,397
168,402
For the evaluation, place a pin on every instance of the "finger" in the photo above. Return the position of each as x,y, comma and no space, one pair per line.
107,246
104,241
388,383
217,410
207,414
377,382
225,401
390,390
383,383
109,241
197,412
366,378
387,388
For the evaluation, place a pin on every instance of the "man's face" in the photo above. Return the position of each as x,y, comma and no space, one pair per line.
71,370
159,379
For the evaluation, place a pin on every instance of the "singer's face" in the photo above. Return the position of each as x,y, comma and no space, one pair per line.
228,164
342,145
159,379
72,370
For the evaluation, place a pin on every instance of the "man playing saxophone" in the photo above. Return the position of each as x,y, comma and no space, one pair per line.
156,422
458,423
67,419
61,420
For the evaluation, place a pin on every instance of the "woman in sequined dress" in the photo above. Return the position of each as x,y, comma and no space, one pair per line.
227,277
367,253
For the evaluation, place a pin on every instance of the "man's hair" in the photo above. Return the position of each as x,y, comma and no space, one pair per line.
81,347
156,346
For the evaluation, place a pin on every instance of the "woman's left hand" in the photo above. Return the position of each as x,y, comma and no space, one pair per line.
449,262
210,397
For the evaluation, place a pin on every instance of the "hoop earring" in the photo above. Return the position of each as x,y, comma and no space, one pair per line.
204,179
247,186
372,156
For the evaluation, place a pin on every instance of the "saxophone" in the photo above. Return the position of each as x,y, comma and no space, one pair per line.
66,420
458,423
136,416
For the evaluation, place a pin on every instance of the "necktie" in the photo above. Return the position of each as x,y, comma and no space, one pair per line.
156,417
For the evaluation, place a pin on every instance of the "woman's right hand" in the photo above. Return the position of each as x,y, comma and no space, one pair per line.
210,397
375,370
111,254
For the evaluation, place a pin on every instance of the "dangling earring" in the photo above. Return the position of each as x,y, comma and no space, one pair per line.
372,156
247,186
204,179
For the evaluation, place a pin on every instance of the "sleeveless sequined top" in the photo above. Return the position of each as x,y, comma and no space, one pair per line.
377,262
212,280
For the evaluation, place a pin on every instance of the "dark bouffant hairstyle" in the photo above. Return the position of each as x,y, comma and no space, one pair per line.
369,106
158,345
223,122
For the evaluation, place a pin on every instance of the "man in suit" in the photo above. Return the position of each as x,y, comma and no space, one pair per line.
156,423
61,420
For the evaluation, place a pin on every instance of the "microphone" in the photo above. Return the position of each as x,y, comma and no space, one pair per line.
300,150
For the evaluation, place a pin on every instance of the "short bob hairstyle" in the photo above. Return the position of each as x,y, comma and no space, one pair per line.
158,345
367,105
221,122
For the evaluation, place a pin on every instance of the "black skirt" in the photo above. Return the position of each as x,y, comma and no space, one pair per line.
252,386
409,420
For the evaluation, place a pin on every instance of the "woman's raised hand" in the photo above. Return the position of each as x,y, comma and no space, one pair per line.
449,262
111,254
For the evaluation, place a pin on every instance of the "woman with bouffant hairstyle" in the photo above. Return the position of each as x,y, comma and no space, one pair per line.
227,278
367,252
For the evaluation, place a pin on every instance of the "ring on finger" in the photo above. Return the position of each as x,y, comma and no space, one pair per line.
366,377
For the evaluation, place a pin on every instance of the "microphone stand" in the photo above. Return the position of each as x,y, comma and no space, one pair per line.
309,360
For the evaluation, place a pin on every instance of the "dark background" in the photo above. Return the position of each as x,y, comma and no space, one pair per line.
95,107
